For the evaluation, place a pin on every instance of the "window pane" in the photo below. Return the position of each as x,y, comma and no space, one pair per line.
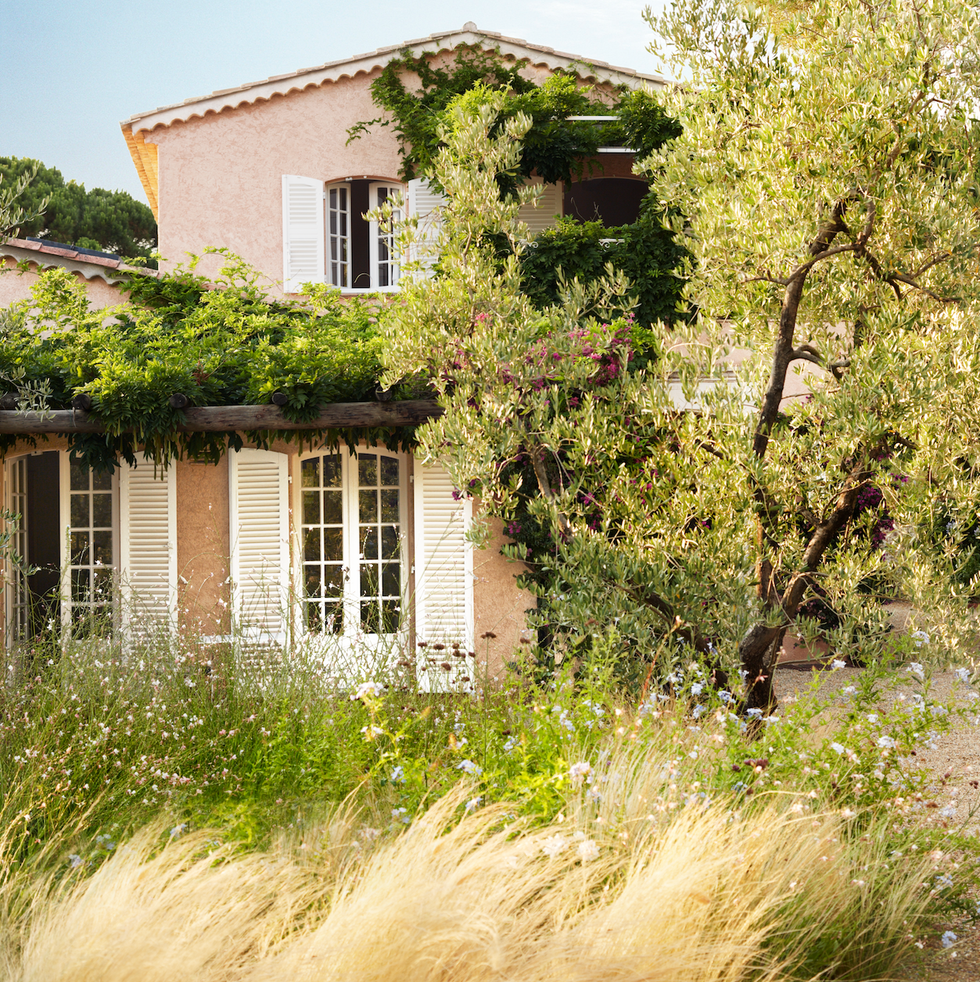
369,616
103,584
101,480
311,472
311,545
389,506
311,581
367,470
102,548
79,511
389,542
80,584
369,580
333,581
332,471
367,507
333,545
79,549
332,511
389,471
334,617
79,476
390,616
311,507
391,580
314,618
369,543
102,510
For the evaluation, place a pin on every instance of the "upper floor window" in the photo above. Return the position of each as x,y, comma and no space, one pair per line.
327,239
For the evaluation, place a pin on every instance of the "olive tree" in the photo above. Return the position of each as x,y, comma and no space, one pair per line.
826,186
828,176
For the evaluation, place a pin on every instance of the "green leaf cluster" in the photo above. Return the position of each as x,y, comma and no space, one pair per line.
419,99
219,343
646,252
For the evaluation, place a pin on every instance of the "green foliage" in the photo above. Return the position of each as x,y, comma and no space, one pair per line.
553,148
220,344
110,221
14,209
94,744
722,527
645,252
827,177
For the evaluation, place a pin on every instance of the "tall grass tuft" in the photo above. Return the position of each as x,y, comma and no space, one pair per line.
699,895
186,910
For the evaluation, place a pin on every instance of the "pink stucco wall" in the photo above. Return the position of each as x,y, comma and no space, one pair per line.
221,175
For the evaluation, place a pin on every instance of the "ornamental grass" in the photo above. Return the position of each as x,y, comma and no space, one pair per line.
701,895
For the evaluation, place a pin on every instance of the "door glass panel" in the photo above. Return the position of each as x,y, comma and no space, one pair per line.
389,506
354,501
368,506
367,469
80,510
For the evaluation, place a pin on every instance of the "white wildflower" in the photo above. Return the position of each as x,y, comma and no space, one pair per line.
367,689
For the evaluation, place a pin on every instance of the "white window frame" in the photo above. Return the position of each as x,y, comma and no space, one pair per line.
350,631
143,568
310,244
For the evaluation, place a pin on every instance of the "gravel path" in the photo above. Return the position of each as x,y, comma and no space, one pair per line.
955,763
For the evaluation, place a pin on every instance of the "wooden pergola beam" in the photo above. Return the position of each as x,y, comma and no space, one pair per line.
226,419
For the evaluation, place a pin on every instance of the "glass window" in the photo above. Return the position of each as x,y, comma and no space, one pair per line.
351,543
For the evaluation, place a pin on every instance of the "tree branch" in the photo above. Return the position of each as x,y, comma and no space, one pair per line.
806,352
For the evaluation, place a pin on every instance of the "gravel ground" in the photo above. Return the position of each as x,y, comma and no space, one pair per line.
955,763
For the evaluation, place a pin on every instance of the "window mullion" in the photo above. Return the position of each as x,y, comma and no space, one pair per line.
352,545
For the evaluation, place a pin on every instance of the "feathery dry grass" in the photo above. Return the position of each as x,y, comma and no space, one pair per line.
695,895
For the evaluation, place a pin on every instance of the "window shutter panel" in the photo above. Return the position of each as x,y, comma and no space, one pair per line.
543,216
424,205
259,518
148,543
303,245
443,576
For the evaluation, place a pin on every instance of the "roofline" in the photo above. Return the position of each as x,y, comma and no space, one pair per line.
88,266
349,67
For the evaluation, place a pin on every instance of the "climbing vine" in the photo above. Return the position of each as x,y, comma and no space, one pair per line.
414,94
218,343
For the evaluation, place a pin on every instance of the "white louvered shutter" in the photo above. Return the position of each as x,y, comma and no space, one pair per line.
443,575
545,214
424,204
303,245
148,544
259,516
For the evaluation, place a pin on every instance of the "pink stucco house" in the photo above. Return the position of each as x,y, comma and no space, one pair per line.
273,544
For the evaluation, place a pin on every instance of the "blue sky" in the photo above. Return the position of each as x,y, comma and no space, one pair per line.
70,72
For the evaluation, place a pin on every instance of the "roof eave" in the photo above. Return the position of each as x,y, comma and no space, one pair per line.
280,85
